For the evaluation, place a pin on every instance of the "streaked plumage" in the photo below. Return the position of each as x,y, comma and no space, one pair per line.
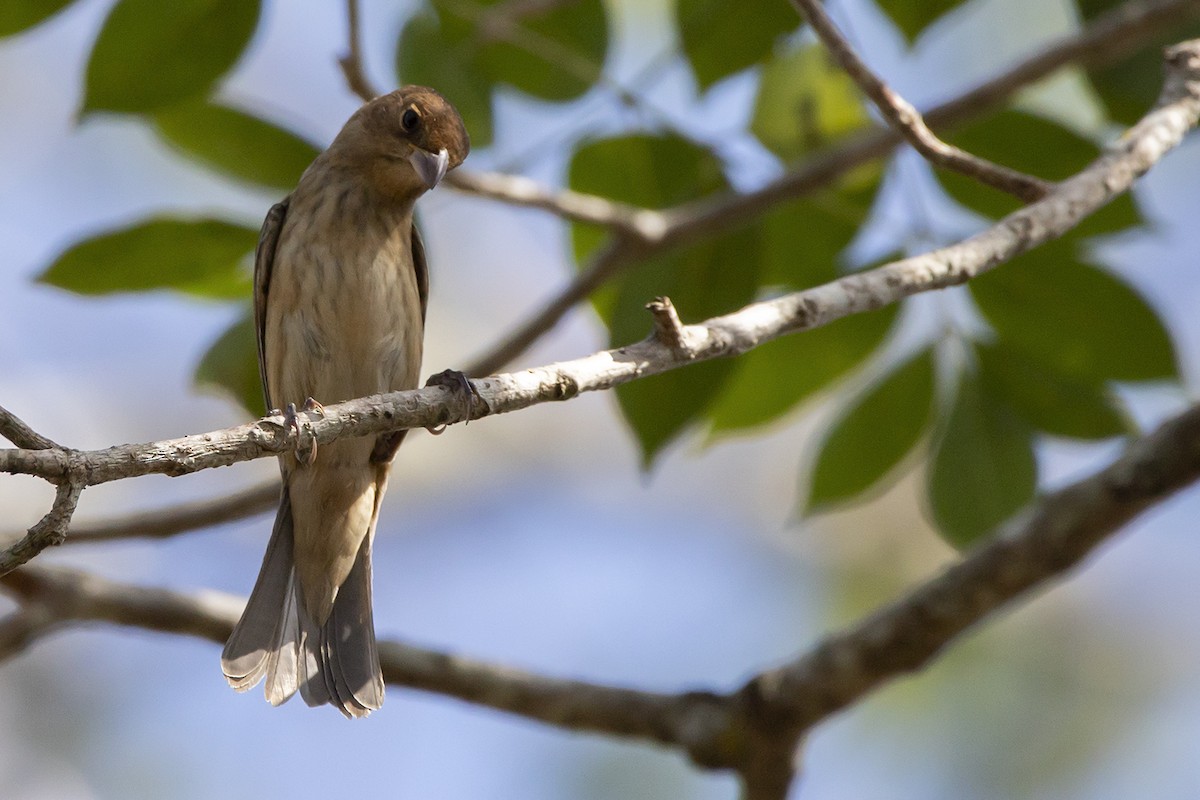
340,290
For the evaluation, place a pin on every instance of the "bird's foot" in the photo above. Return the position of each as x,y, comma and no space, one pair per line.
458,383
306,442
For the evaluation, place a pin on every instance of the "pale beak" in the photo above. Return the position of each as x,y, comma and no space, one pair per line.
430,167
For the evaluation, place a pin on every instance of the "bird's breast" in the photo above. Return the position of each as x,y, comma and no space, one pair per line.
344,312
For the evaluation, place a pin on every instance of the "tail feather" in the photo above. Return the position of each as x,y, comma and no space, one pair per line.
348,641
335,664
255,639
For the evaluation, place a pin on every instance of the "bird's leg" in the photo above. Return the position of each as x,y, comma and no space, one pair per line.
459,384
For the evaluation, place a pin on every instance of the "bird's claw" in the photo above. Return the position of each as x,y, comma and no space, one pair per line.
458,383
306,443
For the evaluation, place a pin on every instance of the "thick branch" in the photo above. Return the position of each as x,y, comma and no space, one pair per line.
1070,201
754,730
907,121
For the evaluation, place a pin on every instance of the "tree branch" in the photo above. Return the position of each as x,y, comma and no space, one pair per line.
1109,38
755,730
732,334
352,62
1070,201
167,522
907,121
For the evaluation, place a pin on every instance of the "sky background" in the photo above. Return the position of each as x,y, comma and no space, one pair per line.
535,539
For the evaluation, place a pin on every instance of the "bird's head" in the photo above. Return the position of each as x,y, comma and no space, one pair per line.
405,141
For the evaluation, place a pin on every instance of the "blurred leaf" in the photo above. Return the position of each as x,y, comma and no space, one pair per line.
874,434
982,467
645,170
231,366
803,240
201,257
151,54
20,15
914,16
236,143
710,278
426,55
553,50
1037,146
1052,402
775,377
721,38
1129,87
1078,320
804,102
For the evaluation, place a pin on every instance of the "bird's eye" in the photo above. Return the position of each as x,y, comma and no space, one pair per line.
410,119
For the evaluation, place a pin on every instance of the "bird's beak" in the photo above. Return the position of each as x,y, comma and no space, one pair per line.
430,167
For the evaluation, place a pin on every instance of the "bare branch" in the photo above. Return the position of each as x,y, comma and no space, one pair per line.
1047,541
20,434
179,519
1109,38
1069,202
757,729
518,190
352,62
51,529
907,121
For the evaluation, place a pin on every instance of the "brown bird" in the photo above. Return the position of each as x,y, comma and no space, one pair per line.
340,289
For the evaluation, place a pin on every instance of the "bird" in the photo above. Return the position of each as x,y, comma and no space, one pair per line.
340,292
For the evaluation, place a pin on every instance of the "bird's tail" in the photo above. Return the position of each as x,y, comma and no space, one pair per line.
335,663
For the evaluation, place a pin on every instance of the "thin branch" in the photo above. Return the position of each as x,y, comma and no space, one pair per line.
16,431
602,265
51,529
907,121
518,190
1069,202
179,519
1110,37
352,61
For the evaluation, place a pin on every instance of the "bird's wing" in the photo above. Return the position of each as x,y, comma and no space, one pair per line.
264,261
421,268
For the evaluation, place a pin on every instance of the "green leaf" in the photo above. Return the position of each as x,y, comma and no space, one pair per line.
1037,146
775,377
202,257
1058,404
914,17
983,467
152,54
873,436
20,15
707,279
702,281
1078,320
231,366
236,143
554,51
1129,86
720,38
648,171
804,102
427,55
803,240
